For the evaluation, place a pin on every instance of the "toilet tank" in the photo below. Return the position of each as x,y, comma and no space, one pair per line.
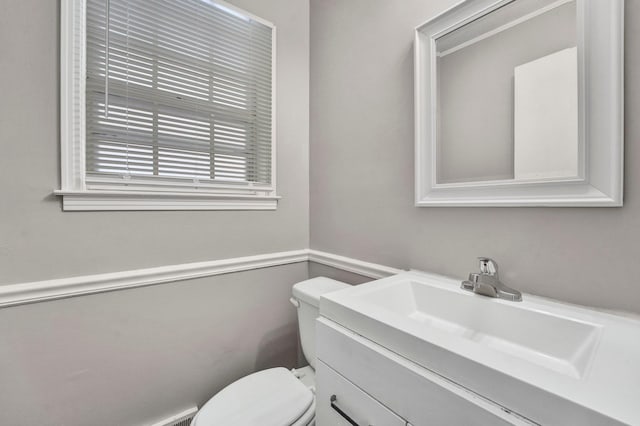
306,296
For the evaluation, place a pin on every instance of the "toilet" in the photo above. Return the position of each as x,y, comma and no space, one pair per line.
276,396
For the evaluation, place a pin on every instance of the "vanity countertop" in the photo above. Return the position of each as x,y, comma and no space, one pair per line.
543,359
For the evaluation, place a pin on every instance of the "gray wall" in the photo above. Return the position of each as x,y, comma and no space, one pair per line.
38,241
320,270
134,357
476,101
362,171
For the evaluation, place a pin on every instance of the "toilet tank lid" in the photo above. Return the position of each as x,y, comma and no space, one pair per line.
309,291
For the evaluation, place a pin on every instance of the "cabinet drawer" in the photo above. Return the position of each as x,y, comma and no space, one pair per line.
351,400
418,395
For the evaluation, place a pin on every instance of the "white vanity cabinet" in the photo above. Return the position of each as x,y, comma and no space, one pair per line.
376,387
435,354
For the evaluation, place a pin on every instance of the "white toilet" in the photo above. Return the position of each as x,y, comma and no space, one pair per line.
277,396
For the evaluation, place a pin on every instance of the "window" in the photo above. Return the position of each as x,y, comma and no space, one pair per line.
166,105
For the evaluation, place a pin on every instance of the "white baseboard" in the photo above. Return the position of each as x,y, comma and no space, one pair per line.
39,291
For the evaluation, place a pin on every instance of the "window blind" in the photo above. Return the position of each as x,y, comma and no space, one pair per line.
178,93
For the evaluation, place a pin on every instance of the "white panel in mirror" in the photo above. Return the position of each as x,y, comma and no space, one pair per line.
519,102
546,117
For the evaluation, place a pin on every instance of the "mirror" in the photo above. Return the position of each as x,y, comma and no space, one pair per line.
520,103
505,108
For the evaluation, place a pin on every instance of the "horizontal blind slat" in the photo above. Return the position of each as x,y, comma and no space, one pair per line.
196,12
173,30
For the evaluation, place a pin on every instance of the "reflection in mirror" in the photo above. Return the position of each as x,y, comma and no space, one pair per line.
507,103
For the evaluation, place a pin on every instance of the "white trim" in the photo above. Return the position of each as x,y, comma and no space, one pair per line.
72,93
360,267
141,200
504,27
40,291
601,114
274,106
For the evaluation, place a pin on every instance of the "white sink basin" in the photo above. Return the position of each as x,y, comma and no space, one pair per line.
542,359
558,343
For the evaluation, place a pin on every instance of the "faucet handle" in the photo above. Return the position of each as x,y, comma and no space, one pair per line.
488,266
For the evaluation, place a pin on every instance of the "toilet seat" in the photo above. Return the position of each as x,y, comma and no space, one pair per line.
273,397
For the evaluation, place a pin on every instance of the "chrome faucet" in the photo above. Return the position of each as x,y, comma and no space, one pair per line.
487,282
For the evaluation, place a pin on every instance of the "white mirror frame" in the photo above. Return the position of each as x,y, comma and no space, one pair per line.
601,111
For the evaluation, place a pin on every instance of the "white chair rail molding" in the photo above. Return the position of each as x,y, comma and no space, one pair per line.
156,116
40,291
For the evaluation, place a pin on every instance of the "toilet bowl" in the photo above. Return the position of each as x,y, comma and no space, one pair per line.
276,396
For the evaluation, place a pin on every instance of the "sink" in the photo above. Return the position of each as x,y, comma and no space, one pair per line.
542,359
557,343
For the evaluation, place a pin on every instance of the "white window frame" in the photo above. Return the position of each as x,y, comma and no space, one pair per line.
78,196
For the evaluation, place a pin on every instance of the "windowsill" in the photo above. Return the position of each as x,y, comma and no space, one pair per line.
96,200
